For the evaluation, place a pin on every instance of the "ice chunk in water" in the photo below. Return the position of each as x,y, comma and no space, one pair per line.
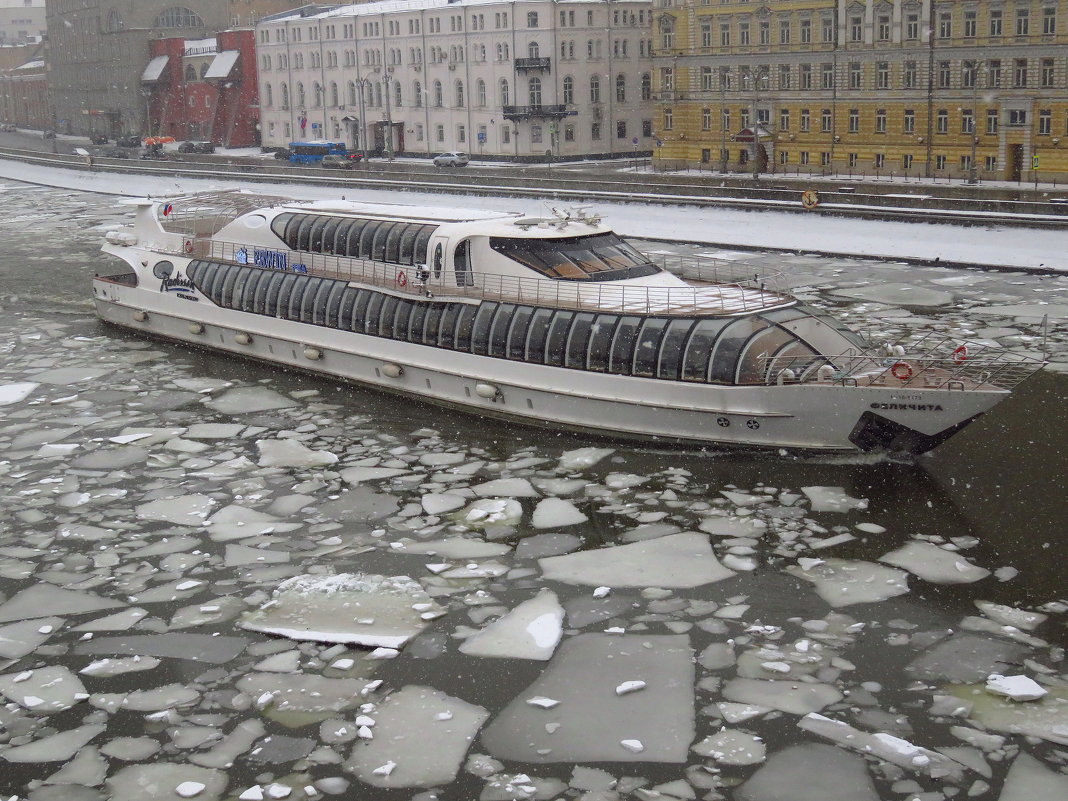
556,513
832,499
458,548
291,453
798,698
965,658
44,599
248,400
506,488
185,510
934,564
354,475
530,631
841,582
582,458
590,720
351,608
491,511
1030,780
16,393
677,560
45,690
238,522
1018,688
240,555
440,503
1008,616
809,773
161,782
19,639
63,376
421,737
57,748
731,747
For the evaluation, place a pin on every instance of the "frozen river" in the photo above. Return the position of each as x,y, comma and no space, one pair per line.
506,613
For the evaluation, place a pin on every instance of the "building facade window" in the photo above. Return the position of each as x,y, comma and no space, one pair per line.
880,121
1045,122
908,121
942,121
995,22
854,121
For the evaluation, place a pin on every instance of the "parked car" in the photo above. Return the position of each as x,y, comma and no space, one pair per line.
282,154
48,134
203,147
98,139
187,147
338,162
117,153
8,127
455,159
128,141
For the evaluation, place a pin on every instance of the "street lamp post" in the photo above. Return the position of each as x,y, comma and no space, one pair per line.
361,86
973,170
386,76
723,122
755,81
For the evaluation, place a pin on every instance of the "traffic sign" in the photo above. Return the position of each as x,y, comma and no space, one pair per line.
659,143
481,136
1034,162
634,141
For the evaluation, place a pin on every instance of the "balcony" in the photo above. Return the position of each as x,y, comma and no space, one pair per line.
527,112
532,64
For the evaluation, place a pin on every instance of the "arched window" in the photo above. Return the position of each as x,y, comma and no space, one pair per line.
334,99
459,94
350,92
190,72
270,95
317,98
621,88
595,88
480,93
535,91
397,94
438,99
647,86
505,94
300,95
533,49
285,95
569,90
115,22
178,17
417,94
378,95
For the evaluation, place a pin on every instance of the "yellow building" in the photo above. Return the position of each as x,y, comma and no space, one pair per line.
948,89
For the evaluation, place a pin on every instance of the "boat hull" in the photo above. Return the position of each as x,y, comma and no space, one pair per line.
813,416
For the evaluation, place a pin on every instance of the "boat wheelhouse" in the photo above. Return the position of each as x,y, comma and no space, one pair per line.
552,320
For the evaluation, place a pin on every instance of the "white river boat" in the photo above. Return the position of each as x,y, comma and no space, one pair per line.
553,321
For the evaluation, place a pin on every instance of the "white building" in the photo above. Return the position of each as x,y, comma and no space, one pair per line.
497,79
21,21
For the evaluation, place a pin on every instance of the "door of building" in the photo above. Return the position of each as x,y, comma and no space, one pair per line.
1015,165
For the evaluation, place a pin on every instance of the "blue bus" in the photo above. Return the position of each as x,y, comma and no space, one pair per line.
313,152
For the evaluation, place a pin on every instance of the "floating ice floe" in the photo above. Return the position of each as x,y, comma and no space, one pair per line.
884,747
556,513
235,522
55,748
351,608
934,564
421,737
1009,616
491,512
213,650
797,698
842,582
45,690
435,503
965,658
506,488
732,747
530,631
581,458
458,548
291,453
1018,688
249,400
64,376
19,639
589,721
809,773
165,782
44,599
1030,780
356,475
676,561
832,499
184,510
11,394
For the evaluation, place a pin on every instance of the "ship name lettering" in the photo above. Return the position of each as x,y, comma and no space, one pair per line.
271,259
909,407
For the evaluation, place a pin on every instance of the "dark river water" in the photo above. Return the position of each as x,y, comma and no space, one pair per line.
880,594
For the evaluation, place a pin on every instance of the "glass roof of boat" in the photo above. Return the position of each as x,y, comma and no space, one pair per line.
206,213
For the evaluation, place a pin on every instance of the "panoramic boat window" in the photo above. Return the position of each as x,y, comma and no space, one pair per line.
432,324
622,353
248,299
695,363
374,306
647,346
499,329
536,335
754,361
328,234
724,365
598,257
556,341
517,333
600,339
669,363
333,303
447,336
465,325
578,340
387,316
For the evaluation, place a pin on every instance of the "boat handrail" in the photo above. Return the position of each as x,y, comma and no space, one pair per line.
724,289
932,361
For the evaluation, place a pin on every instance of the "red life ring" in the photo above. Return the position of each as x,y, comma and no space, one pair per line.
902,371
402,279
960,355
189,246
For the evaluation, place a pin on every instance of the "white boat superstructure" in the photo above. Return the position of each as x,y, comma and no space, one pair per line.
552,321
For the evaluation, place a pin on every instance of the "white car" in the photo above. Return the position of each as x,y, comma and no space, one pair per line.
451,160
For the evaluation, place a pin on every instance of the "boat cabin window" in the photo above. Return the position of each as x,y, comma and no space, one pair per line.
394,241
461,260
598,257
439,259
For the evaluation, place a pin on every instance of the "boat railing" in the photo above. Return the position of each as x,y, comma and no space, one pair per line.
722,290
933,361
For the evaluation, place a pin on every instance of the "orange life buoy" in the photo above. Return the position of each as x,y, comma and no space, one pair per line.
902,371
960,355
402,279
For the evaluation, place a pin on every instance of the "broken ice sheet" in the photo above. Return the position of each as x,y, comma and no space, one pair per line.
350,608
421,737
235,522
842,582
934,564
46,690
530,631
184,510
590,721
1030,780
11,394
809,773
56,748
676,561
247,400
161,782
44,599
291,453
19,639
556,513
832,499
